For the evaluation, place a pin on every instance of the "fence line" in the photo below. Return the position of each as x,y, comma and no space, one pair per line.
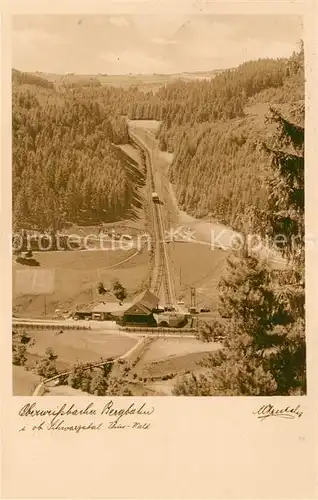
41,326
157,329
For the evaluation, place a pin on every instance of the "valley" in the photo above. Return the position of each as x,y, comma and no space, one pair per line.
155,182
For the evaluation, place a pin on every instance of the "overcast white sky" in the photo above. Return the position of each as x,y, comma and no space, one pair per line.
148,44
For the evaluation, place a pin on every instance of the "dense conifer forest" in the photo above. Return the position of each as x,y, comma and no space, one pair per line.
215,131
66,165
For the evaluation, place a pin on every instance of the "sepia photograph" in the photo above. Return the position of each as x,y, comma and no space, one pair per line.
158,229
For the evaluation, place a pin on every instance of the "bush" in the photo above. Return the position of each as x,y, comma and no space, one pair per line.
127,392
27,261
86,382
21,340
25,338
101,289
50,354
119,290
75,378
46,367
19,355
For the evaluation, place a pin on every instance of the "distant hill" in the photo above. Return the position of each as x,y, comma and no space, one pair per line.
143,81
20,78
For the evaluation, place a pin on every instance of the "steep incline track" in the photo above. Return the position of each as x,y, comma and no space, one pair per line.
161,274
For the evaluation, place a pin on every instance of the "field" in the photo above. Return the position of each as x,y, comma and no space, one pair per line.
199,266
160,359
71,346
171,366
79,345
165,348
145,82
64,390
77,274
168,357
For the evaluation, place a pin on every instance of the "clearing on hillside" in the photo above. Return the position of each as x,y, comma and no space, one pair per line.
77,275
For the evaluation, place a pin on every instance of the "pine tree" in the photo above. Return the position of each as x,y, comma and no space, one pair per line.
286,187
99,384
119,290
46,367
264,351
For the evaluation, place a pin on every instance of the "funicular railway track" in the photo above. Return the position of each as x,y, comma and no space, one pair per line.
161,274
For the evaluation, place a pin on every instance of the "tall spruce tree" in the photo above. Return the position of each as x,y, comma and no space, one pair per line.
264,351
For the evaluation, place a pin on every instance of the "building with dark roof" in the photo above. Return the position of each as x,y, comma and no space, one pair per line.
84,311
95,310
109,310
142,310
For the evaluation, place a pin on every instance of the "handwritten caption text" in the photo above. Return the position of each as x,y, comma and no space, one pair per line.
89,417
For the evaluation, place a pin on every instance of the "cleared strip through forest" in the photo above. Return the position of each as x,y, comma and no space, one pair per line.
161,270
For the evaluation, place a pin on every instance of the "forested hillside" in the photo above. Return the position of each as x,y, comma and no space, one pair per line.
215,134
65,165
215,129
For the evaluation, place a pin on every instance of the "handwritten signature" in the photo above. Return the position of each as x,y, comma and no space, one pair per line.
266,411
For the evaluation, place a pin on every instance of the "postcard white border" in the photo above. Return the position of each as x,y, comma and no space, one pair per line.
197,447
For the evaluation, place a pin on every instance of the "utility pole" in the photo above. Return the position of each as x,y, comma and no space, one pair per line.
193,297
180,276
45,305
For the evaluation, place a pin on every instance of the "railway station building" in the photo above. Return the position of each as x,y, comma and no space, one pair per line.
142,310
83,312
109,310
